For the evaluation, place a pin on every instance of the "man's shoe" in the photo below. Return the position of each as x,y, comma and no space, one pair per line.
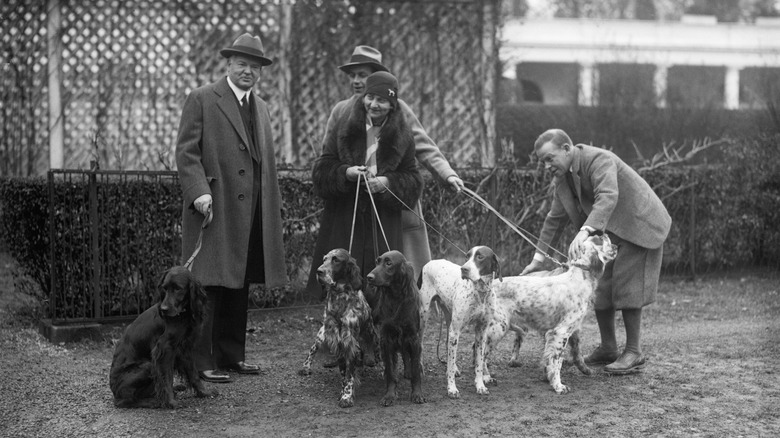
601,357
628,363
243,368
214,376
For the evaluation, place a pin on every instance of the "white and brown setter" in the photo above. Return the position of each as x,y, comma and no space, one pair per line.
465,297
347,328
397,316
553,305
159,344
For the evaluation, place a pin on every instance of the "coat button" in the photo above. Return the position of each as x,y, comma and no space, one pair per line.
241,197
242,147
241,172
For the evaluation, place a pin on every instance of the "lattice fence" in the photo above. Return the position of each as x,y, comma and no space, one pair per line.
126,67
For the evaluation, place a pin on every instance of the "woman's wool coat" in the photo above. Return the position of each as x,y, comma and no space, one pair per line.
343,147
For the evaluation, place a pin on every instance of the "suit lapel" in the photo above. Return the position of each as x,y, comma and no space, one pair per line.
566,197
575,171
259,127
227,103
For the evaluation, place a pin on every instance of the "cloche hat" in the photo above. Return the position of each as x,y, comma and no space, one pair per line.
383,84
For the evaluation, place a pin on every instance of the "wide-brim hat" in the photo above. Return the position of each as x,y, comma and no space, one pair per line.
249,46
364,55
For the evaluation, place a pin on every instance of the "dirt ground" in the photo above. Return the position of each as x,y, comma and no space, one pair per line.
713,370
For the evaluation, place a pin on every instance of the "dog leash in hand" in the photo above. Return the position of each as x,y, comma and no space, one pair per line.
354,214
473,195
203,226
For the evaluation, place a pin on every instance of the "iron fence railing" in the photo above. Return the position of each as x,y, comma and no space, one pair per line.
113,233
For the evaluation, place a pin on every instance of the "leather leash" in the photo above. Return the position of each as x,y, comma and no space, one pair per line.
473,195
354,215
203,226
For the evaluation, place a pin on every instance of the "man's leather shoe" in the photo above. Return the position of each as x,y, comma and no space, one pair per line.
214,376
601,356
243,368
628,363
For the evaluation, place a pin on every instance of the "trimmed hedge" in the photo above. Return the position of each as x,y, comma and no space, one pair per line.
736,205
620,128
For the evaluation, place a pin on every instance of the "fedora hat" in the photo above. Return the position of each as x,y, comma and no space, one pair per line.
249,46
364,55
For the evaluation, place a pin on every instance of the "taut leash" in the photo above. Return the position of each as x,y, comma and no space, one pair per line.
354,215
423,220
203,226
473,195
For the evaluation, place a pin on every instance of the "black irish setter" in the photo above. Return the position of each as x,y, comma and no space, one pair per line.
158,343
397,315
347,328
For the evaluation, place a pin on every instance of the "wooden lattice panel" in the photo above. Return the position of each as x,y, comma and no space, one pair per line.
128,65
24,115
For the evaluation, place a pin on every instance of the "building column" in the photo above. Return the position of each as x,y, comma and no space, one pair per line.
732,88
587,79
659,84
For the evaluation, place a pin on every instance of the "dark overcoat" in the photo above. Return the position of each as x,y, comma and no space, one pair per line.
345,146
213,157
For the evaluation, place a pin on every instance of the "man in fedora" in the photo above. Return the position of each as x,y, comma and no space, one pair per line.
364,61
225,160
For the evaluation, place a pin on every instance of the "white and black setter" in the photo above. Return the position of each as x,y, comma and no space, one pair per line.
158,344
347,328
397,316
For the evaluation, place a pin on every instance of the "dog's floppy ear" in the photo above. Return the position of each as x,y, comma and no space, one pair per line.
160,294
497,268
353,274
197,297
405,276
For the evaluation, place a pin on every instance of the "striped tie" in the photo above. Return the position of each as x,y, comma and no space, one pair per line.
372,147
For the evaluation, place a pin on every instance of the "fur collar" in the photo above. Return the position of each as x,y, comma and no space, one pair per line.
394,139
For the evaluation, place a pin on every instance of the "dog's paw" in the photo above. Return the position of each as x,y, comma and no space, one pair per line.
387,400
304,372
453,393
207,393
561,389
481,390
169,404
347,402
418,399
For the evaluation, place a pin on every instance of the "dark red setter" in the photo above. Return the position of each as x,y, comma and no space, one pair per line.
158,343
397,315
347,328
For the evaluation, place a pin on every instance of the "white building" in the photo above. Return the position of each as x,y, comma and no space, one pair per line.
694,62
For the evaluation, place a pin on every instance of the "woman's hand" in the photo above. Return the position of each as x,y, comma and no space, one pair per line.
376,184
355,171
